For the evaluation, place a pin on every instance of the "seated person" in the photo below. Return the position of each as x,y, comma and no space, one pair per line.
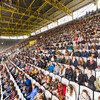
67,60
58,60
44,64
70,47
77,53
62,60
53,85
53,58
74,61
91,64
89,80
75,46
27,89
34,71
38,76
62,71
84,96
93,53
70,93
99,98
51,67
12,96
39,94
84,53
81,63
31,70
33,93
43,79
78,76
61,90
56,69
98,83
58,52
66,53
27,81
47,82
69,73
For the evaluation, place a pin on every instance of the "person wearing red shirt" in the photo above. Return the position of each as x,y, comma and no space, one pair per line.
61,91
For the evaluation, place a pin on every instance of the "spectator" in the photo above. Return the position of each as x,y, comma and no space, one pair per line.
61,91
78,76
77,53
70,93
62,71
33,93
56,69
75,46
81,63
91,64
51,67
53,85
70,47
39,94
62,60
74,61
66,53
58,59
69,73
84,53
89,80
27,81
99,98
84,96
93,53
13,94
68,60
98,84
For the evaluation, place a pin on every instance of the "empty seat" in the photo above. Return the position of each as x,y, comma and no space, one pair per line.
97,74
46,73
43,89
54,98
65,81
58,77
51,74
48,94
37,84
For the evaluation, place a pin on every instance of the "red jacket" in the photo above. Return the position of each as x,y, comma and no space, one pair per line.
64,90
75,39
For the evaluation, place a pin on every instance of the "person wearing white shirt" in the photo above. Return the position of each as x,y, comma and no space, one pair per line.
70,93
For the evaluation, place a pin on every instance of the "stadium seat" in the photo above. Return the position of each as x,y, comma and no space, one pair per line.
43,89
54,98
97,74
76,87
90,92
48,94
65,81
96,95
58,77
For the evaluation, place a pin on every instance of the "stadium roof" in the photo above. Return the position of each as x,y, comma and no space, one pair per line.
21,17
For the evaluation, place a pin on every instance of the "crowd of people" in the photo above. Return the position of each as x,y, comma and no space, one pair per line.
8,89
71,51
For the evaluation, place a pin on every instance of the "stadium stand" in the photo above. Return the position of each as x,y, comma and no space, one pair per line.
62,64
6,43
